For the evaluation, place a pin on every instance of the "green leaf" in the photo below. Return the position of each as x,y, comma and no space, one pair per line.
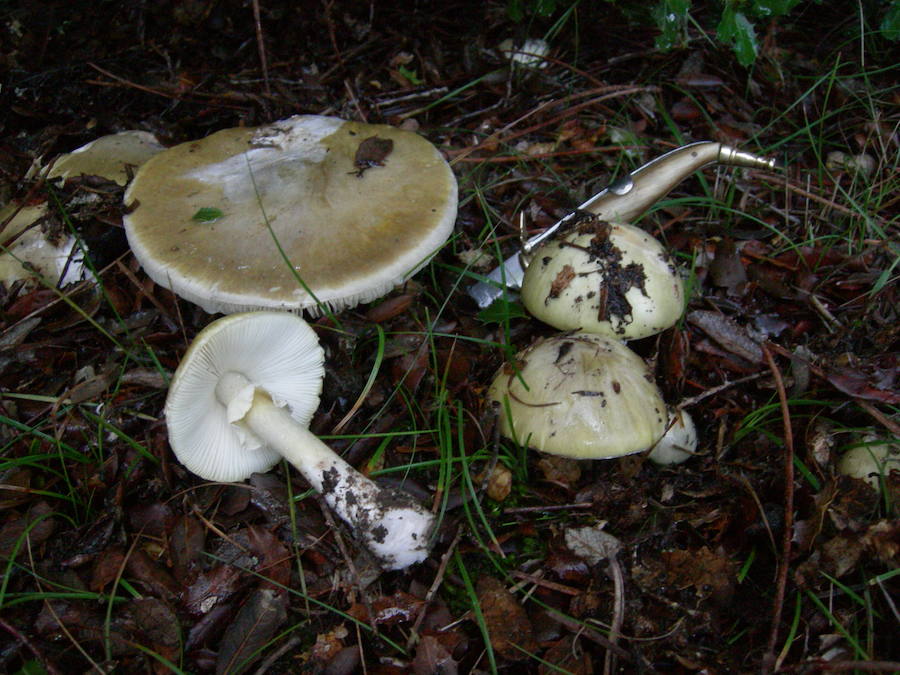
890,24
410,75
671,19
207,214
735,29
501,310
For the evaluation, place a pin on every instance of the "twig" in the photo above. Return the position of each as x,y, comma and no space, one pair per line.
812,196
888,423
433,589
615,629
693,400
329,519
592,635
498,137
548,507
870,666
261,45
269,661
12,630
769,663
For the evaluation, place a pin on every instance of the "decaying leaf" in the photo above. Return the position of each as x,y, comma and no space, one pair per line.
255,624
727,333
507,623
432,657
562,470
592,544
499,483
710,573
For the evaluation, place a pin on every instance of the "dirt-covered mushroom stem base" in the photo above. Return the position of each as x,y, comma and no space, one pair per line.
391,525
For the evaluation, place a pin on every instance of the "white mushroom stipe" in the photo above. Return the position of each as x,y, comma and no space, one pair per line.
389,523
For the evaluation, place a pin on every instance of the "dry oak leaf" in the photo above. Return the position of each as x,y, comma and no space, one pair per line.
507,623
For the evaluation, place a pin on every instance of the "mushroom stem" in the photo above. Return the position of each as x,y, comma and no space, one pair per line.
394,527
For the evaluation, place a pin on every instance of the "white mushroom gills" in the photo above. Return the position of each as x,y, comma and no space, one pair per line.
237,428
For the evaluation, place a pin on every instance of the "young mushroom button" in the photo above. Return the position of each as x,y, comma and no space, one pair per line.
606,278
579,395
242,398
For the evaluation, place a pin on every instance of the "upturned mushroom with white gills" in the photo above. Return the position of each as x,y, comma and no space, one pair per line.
579,395
303,213
241,400
113,157
606,278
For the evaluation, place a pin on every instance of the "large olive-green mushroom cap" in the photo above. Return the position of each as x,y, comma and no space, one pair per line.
606,278
579,395
355,209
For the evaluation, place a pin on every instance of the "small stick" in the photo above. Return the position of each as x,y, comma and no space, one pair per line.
433,589
769,663
261,45
19,637
329,519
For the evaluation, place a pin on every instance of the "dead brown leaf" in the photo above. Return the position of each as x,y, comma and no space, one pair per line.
255,624
507,623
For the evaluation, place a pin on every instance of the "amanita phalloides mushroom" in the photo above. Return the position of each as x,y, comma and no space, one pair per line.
36,247
608,278
871,460
242,398
579,395
300,213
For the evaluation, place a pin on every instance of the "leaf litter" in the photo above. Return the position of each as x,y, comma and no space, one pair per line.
115,558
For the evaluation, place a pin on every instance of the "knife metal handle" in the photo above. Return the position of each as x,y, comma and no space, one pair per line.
623,200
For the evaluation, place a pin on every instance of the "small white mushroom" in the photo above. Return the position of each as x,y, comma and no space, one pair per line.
679,442
870,461
530,54
607,278
242,398
579,395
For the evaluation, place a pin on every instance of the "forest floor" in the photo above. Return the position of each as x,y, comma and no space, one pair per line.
754,555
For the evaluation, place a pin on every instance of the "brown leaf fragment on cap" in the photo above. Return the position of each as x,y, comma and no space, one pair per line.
561,282
507,623
371,152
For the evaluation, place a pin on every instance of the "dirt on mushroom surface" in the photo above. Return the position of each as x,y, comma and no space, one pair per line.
754,554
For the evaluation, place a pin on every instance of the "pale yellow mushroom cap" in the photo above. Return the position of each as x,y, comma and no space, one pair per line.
606,278
579,395
108,156
350,233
